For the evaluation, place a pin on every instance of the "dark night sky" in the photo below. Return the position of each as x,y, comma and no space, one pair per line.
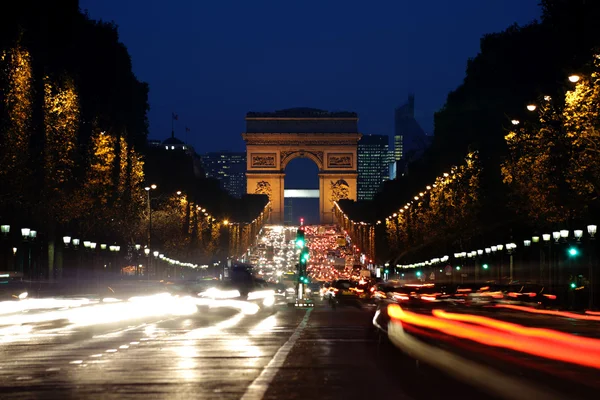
212,61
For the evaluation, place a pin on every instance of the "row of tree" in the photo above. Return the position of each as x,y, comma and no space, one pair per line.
73,122
536,175
74,158
553,163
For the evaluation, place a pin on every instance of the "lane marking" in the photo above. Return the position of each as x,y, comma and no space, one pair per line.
259,386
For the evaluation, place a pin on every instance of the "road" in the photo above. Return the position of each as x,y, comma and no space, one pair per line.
221,353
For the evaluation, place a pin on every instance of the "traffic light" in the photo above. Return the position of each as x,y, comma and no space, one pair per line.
387,271
304,256
573,251
300,242
573,285
485,266
418,273
458,268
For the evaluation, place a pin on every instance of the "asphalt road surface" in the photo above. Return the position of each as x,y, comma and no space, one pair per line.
221,353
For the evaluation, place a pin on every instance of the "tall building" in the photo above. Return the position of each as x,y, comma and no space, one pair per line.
373,165
229,168
410,140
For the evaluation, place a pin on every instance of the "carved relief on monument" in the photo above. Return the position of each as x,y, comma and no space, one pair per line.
339,160
339,190
264,187
263,160
285,156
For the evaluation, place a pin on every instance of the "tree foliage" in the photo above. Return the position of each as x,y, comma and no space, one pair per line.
65,81
553,168
444,212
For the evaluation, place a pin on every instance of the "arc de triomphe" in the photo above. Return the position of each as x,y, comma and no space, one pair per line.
330,139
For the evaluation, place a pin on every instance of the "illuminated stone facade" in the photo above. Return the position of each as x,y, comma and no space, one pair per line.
330,140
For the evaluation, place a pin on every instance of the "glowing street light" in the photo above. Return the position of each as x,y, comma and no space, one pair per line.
515,122
574,78
531,107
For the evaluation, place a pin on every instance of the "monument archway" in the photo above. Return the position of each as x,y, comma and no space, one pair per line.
330,140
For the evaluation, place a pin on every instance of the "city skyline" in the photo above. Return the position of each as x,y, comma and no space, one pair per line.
204,82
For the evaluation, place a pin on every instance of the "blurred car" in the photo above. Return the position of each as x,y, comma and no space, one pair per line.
313,289
528,294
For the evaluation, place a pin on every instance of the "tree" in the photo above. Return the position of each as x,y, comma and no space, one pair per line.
553,165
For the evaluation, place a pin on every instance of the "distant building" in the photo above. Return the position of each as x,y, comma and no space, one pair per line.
373,165
410,140
229,168
177,146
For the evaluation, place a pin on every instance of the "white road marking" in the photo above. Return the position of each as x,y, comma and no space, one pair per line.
258,388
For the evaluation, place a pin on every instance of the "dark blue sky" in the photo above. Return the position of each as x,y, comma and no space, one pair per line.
212,61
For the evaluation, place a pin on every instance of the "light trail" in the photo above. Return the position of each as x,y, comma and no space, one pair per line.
490,337
564,314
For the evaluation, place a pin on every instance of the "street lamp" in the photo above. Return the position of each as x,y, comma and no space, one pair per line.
5,229
515,121
527,243
556,236
148,189
146,251
138,247
564,234
66,240
75,242
574,78
25,232
531,107
592,230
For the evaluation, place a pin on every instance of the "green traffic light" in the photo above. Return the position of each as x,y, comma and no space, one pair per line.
387,271
573,251
418,273
485,266
573,285
458,268
299,243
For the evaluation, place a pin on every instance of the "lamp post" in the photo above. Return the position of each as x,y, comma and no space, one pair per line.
592,229
510,247
137,258
5,229
148,189
147,253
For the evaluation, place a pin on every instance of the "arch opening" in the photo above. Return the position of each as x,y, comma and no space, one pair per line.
301,191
